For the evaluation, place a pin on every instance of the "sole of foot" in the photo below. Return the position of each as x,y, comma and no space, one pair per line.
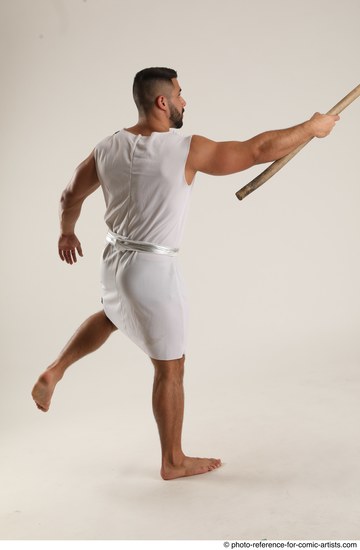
43,390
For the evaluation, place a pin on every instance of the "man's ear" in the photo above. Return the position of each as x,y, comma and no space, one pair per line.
161,102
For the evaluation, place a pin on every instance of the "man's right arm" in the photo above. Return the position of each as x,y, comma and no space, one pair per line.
229,157
84,182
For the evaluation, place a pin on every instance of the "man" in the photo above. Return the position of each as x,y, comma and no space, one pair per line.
146,173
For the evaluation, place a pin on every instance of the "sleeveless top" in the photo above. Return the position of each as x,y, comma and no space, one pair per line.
144,185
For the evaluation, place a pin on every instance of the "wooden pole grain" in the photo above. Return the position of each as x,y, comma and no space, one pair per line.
278,164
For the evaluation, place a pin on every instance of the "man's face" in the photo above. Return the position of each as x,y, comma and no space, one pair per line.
176,105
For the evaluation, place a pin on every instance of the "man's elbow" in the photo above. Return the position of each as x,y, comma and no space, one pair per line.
68,200
254,153
65,198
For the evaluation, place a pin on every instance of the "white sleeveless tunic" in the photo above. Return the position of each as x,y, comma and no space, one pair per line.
147,199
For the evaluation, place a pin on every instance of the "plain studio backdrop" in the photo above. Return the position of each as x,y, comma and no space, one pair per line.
272,368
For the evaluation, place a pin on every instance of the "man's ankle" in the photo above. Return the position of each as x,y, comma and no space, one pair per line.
173,458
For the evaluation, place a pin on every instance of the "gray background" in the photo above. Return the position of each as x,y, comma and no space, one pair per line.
272,370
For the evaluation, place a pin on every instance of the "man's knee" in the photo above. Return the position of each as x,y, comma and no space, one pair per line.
170,368
108,322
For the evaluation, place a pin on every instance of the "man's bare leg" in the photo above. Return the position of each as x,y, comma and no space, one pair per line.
168,407
89,337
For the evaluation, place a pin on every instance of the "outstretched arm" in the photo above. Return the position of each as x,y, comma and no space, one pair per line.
84,182
229,157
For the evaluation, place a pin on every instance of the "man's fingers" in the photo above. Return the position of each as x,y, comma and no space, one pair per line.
67,251
70,260
65,255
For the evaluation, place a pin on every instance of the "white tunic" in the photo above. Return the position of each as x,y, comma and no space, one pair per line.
147,199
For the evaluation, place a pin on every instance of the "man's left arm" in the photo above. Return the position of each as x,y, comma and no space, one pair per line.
84,182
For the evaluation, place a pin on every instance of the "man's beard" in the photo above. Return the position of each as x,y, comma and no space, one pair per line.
175,117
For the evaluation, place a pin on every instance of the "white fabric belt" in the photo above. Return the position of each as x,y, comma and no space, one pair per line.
127,244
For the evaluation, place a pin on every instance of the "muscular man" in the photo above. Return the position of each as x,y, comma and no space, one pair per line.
147,173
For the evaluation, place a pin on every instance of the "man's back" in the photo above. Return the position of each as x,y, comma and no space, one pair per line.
143,181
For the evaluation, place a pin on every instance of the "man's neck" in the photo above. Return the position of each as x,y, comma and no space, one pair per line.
146,126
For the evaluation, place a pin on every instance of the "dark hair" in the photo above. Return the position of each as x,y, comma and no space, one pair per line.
146,86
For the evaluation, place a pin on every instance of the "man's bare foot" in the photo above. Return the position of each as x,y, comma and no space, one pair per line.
189,466
44,388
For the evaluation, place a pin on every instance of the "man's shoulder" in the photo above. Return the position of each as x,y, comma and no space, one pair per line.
106,141
179,137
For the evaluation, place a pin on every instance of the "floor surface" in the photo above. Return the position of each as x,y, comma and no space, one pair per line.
286,425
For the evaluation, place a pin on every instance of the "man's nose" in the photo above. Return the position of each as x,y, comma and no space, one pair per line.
183,102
